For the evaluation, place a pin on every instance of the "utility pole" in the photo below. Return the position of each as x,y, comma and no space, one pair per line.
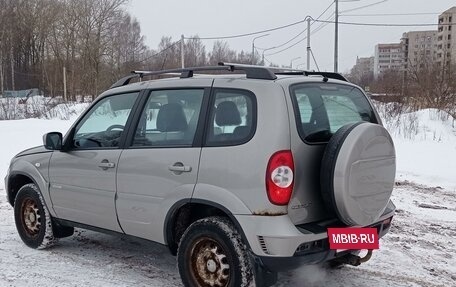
291,62
12,67
182,51
336,35
252,60
64,85
1,73
308,43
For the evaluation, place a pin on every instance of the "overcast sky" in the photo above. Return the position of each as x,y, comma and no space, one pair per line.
213,18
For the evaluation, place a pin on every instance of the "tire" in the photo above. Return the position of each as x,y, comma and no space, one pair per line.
328,165
211,253
33,221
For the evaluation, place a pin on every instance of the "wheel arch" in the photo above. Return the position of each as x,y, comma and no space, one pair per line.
16,180
186,211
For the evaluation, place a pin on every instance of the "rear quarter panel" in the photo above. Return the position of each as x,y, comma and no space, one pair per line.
234,176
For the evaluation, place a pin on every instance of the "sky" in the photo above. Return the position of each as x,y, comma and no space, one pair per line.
216,18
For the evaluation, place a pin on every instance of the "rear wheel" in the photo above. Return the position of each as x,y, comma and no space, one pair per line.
212,253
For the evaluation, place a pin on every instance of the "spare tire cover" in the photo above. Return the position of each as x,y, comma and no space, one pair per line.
357,173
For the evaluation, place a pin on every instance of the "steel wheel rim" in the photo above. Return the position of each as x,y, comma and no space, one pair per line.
30,217
209,263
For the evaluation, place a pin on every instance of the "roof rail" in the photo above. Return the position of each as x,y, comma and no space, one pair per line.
329,75
183,73
251,72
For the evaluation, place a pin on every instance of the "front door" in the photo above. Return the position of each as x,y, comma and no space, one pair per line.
83,179
160,166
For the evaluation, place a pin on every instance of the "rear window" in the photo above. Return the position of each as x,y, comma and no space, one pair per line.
321,109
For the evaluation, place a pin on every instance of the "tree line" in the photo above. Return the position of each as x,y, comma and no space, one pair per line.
421,84
95,41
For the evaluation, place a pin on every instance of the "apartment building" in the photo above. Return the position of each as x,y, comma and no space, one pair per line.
388,57
419,48
364,66
446,37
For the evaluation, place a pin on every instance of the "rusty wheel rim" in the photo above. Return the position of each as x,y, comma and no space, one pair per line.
30,217
209,263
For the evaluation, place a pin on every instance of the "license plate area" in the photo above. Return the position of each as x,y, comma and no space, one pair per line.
353,238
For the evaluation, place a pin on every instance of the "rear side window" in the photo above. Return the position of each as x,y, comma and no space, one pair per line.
321,109
232,118
169,118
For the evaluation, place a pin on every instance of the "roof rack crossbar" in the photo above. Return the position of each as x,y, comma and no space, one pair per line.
251,71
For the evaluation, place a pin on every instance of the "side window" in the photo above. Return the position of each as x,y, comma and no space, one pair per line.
233,118
170,117
103,126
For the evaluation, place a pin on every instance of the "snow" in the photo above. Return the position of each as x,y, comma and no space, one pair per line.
420,249
426,147
425,144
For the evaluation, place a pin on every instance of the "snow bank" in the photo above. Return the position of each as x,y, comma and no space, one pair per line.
425,143
17,135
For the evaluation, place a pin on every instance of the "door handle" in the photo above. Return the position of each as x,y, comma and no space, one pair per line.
179,168
105,164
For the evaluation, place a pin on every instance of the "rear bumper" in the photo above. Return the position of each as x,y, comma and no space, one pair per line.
277,264
278,245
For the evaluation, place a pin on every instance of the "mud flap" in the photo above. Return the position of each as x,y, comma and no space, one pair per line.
263,277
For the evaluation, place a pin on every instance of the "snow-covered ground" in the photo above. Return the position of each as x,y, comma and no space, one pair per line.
426,147
420,250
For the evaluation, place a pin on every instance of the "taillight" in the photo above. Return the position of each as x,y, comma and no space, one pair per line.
279,177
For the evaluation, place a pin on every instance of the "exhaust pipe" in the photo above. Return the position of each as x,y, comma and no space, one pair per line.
354,260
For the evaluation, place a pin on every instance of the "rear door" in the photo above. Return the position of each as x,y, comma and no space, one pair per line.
160,165
319,110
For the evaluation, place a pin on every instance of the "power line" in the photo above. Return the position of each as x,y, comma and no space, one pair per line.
392,14
385,24
322,13
291,46
365,6
160,52
252,33
299,34
281,45
323,25
267,60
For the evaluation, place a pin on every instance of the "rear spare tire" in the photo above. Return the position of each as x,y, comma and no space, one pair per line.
357,173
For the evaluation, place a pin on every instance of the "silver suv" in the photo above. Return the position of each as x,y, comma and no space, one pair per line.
239,173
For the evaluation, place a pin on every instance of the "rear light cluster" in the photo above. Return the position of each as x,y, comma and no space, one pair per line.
280,177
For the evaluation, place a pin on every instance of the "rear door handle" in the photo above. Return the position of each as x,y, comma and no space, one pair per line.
105,164
179,168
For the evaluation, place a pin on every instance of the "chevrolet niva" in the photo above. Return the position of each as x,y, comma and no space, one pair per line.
239,172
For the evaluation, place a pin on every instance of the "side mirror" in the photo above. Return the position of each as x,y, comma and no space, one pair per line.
53,141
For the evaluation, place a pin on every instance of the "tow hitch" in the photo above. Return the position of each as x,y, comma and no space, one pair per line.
353,260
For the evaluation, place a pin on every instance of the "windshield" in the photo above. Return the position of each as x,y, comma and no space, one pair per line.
321,109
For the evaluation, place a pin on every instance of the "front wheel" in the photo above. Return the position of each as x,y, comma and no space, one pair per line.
33,221
212,253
